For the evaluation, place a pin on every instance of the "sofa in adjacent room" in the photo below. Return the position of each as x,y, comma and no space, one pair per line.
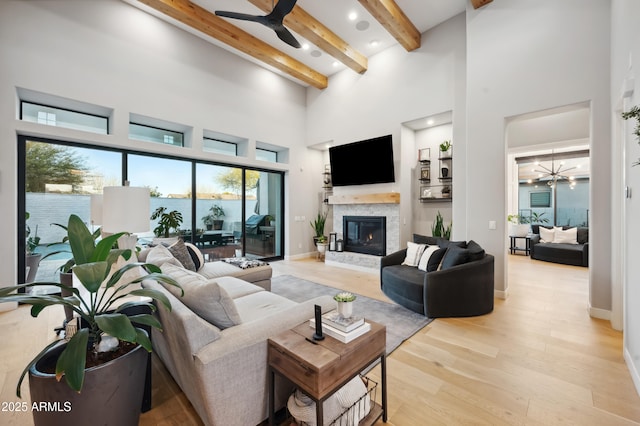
214,341
569,246
440,278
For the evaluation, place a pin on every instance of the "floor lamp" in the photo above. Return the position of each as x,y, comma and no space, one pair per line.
126,209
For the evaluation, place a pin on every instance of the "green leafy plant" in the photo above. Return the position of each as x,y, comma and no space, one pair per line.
445,146
318,224
98,311
68,265
537,218
516,219
634,113
167,222
438,229
32,240
344,296
216,213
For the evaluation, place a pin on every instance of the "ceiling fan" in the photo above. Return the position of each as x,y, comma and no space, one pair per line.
273,20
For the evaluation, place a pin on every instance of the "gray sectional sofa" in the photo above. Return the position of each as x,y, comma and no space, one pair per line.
460,283
214,341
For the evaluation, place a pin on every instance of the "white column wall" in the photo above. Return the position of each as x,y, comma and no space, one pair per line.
524,57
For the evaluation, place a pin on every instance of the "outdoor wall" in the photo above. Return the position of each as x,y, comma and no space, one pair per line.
625,90
111,54
524,57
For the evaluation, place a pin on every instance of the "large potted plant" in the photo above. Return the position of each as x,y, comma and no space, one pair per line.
167,221
108,348
318,226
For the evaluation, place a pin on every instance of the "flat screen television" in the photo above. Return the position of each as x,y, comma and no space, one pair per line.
364,162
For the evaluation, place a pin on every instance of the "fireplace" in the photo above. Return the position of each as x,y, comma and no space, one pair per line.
365,234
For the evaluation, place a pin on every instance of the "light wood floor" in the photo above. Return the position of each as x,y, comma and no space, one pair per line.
538,359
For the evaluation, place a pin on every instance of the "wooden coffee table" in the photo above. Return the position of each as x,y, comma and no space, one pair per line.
319,369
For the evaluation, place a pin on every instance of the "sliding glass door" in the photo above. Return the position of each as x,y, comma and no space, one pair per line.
227,210
263,211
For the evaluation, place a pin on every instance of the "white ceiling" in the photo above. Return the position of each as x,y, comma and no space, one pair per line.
424,14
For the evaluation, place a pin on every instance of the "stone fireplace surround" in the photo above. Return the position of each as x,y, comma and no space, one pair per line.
362,206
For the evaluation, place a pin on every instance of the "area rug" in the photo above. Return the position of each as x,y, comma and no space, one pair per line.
401,323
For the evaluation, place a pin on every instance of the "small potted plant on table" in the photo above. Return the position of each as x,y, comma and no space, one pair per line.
345,303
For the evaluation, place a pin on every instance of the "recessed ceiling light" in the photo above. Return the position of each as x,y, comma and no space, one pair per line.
335,63
430,122
374,43
305,46
352,16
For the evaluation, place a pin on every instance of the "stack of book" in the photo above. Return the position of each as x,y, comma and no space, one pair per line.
340,328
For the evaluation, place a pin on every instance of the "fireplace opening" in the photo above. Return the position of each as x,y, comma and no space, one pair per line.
365,234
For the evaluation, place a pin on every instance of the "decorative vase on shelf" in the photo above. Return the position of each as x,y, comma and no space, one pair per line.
445,172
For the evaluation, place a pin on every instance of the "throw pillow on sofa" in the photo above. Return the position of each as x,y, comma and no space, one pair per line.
426,259
414,253
546,235
567,236
159,255
476,252
180,252
204,297
454,256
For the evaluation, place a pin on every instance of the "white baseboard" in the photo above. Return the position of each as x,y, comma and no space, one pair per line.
599,313
350,266
501,294
635,375
300,256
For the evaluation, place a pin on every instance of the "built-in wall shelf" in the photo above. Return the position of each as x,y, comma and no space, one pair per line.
380,198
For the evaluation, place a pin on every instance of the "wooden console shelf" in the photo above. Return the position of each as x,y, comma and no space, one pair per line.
380,198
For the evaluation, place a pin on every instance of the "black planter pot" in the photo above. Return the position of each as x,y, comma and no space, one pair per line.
111,394
217,224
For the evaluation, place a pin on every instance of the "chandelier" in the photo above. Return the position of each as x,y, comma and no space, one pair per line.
554,175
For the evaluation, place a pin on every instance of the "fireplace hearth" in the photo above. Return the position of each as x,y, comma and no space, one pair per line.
365,234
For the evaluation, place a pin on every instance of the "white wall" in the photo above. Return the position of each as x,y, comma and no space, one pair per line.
529,56
108,53
356,107
625,61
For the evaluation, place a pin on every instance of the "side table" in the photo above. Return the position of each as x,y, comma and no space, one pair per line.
513,246
319,369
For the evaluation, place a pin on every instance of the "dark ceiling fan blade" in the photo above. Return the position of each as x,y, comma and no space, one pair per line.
282,9
273,20
242,16
286,36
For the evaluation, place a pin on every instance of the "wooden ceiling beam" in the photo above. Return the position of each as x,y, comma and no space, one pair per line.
315,32
479,3
208,23
393,19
